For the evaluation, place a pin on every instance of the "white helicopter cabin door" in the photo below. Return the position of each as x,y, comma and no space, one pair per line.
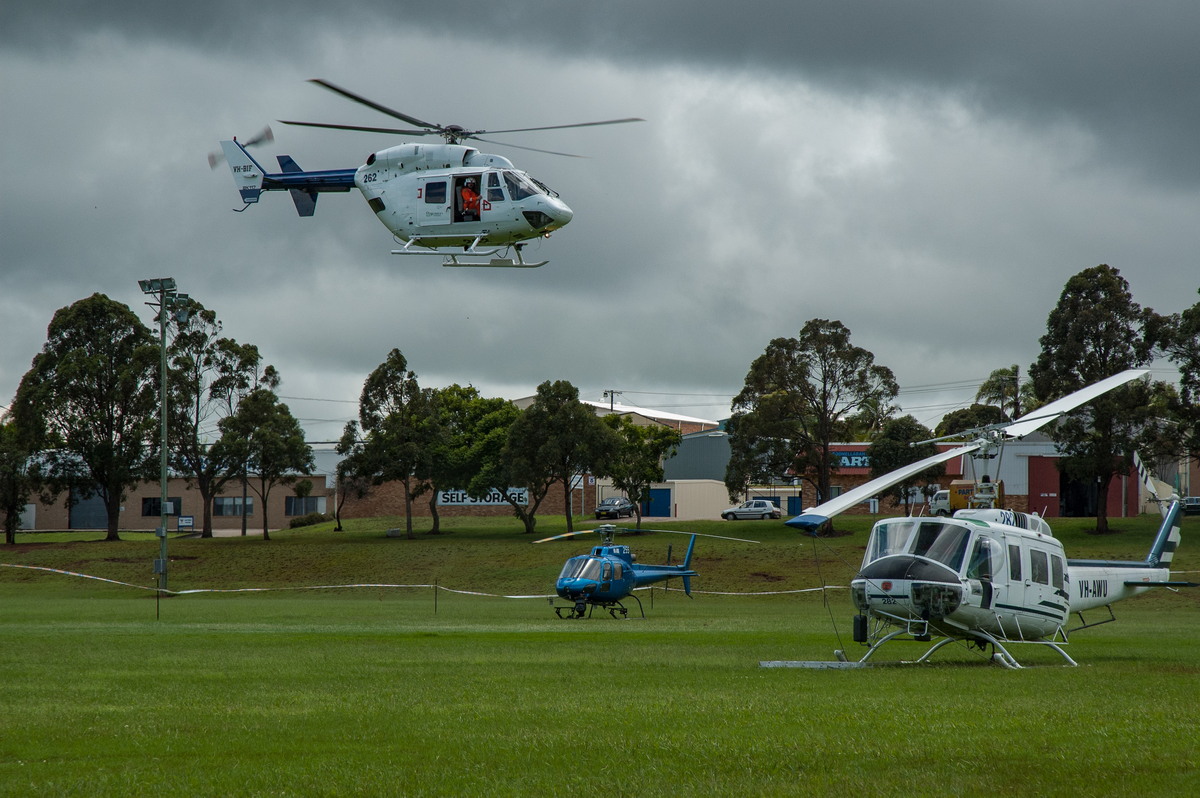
435,201
1041,593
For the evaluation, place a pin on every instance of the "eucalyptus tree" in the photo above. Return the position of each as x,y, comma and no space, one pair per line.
209,376
1180,338
90,402
798,396
19,474
551,442
398,427
638,461
1095,331
902,441
469,429
264,435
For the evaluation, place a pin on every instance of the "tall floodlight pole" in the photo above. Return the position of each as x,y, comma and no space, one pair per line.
168,299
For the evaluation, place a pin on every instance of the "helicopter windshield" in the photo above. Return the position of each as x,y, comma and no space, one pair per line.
888,537
520,186
581,568
946,543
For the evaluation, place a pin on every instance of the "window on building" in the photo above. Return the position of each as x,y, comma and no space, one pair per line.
152,507
232,506
303,505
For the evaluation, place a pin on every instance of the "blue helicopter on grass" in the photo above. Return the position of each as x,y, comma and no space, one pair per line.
610,573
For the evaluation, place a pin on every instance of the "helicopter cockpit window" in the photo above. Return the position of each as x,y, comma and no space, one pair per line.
986,559
494,192
519,186
1056,571
888,538
945,543
581,568
435,193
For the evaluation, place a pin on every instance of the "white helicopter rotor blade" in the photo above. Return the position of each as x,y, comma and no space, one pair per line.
815,516
1047,413
682,532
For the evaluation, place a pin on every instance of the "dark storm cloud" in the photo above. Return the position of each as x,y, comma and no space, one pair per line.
1125,71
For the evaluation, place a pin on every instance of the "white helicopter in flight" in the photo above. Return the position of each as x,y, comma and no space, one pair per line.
438,199
986,576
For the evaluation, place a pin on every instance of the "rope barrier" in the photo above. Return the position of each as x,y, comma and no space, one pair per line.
384,585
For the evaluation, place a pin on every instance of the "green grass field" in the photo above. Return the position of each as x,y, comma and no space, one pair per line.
106,690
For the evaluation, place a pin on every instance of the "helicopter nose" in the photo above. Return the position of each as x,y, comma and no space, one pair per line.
552,214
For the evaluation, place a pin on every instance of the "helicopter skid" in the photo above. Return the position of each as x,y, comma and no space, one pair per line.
615,608
458,259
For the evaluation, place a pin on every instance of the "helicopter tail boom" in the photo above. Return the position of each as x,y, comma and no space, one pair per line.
251,179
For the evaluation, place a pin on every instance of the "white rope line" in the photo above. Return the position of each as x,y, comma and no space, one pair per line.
757,593
384,585
261,589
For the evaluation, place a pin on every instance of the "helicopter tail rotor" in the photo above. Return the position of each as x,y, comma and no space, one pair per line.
264,136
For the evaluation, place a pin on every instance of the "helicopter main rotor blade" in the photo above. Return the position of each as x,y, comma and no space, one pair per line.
813,517
1047,413
568,535
519,147
682,532
363,128
559,127
383,109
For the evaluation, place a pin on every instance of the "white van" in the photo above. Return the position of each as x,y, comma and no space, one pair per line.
940,503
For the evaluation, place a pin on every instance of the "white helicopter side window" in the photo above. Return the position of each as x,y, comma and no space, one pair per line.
519,186
986,560
946,543
1056,571
494,192
1039,567
435,193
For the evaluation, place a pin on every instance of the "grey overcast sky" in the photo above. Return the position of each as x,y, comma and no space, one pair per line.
928,173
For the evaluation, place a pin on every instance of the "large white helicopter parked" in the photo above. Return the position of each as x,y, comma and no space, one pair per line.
986,576
446,199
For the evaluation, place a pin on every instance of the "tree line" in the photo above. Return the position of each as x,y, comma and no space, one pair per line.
428,439
84,419
806,392
84,422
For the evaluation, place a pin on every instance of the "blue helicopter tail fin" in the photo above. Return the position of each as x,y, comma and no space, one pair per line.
687,585
305,201
687,558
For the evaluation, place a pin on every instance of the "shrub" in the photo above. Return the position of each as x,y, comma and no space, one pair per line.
309,520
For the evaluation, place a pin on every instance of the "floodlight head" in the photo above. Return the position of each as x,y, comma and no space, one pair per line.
157,284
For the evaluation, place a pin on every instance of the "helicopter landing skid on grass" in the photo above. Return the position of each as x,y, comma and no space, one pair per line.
583,609
427,247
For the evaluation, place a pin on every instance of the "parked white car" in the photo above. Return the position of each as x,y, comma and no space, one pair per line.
755,508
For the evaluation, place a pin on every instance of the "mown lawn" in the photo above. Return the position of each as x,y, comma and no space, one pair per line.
378,691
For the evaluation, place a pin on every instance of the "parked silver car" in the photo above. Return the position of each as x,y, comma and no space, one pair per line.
755,508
